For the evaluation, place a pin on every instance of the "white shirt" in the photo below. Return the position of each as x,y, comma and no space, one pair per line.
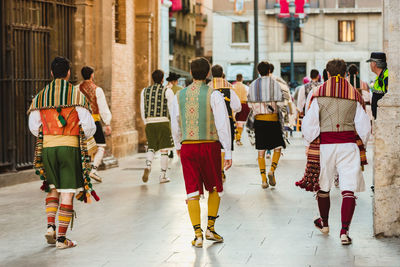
311,125
84,115
169,94
235,104
104,110
221,120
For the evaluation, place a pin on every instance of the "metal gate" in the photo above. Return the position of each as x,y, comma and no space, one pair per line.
32,33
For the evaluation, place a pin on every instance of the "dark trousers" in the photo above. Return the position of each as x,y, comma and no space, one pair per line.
374,103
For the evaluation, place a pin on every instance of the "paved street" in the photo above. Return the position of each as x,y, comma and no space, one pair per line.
148,225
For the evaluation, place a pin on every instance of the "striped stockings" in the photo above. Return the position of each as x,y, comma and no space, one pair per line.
51,210
64,217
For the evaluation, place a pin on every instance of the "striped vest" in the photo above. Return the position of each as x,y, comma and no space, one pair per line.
196,116
155,101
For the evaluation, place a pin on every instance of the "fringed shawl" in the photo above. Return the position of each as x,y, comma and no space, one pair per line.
336,87
265,89
59,94
219,83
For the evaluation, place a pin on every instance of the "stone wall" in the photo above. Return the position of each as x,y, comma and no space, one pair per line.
387,134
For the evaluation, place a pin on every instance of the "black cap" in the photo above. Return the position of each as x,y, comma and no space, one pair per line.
173,77
377,56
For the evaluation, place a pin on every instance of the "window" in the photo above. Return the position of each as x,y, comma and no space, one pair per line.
297,35
347,3
347,31
120,21
240,32
300,70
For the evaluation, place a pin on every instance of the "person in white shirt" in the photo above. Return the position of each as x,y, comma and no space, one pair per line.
100,111
155,106
336,128
60,118
305,91
200,125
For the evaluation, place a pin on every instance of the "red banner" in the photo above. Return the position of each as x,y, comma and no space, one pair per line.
285,7
176,5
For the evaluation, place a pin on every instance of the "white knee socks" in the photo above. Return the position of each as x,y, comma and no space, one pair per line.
164,161
149,157
98,157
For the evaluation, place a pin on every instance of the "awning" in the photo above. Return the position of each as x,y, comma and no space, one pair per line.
245,69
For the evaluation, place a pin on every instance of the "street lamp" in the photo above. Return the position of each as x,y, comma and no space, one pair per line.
292,22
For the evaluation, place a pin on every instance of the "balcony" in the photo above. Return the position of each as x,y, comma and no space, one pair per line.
201,20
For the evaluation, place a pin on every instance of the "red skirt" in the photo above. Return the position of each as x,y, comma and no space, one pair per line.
201,165
244,113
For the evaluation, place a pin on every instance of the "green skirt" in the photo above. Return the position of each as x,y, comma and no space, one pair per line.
63,168
159,135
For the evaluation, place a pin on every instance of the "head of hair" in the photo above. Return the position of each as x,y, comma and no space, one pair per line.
60,67
353,69
86,72
200,67
263,68
314,74
336,67
239,77
381,64
158,76
217,71
271,68
325,75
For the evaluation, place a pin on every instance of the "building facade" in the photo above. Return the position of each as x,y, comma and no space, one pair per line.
203,29
119,38
349,29
183,39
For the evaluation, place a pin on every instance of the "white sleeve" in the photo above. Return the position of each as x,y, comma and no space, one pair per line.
301,98
307,103
105,112
86,121
169,94
142,107
175,126
362,124
221,120
310,126
235,102
34,123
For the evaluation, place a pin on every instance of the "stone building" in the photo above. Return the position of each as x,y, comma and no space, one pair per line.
119,38
203,29
349,29
184,49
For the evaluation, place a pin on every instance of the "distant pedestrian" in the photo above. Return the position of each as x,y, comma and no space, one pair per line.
361,86
155,105
241,117
100,111
378,66
172,80
305,91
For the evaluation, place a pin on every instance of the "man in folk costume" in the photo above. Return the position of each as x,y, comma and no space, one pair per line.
264,96
337,127
60,117
232,102
155,105
100,111
241,91
200,125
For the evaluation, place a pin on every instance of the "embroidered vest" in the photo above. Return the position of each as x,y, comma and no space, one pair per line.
336,114
51,125
155,101
240,90
196,116
88,88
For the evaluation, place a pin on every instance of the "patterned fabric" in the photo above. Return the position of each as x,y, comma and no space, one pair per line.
64,218
88,88
155,101
51,209
240,90
59,94
218,83
50,123
308,87
336,114
265,89
355,82
336,87
196,117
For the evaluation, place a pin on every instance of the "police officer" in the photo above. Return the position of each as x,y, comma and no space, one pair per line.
379,67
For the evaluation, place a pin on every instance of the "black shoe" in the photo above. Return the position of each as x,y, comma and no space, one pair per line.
171,154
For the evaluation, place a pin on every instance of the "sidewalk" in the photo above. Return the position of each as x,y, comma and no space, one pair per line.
137,224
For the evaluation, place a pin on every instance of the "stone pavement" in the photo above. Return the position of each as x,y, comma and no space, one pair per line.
138,224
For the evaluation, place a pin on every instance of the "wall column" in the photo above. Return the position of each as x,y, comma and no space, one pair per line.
387,133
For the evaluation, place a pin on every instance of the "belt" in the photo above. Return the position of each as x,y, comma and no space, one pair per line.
96,117
267,117
188,142
60,140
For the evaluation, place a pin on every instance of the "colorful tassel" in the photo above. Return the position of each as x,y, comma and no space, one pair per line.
96,197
